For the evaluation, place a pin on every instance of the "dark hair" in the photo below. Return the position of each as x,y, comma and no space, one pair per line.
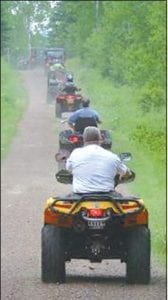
85,102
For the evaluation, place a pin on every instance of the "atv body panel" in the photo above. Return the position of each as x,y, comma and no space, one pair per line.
69,102
103,227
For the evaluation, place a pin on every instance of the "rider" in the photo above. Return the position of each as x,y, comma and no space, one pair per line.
94,168
56,65
90,115
69,86
56,70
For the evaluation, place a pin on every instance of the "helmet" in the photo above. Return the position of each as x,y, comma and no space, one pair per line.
85,102
69,77
55,61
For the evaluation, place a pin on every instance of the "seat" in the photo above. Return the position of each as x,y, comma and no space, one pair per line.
82,123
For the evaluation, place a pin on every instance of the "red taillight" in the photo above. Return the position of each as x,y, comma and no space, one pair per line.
70,97
74,139
96,212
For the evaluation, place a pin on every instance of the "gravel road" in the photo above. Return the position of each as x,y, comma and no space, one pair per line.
28,179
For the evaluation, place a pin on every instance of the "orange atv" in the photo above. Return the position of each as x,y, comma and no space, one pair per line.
104,226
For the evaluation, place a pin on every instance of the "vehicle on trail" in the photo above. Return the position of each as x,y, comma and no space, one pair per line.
50,55
23,63
95,227
67,103
71,139
55,83
32,62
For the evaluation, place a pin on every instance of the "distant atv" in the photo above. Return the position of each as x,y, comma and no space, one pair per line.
23,64
54,85
69,139
95,226
50,55
67,103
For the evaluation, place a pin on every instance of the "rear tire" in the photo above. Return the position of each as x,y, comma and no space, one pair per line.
49,97
53,262
58,111
138,261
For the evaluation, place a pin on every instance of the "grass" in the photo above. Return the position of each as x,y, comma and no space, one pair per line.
13,104
119,110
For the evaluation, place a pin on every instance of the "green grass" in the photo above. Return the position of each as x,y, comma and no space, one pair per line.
13,104
119,110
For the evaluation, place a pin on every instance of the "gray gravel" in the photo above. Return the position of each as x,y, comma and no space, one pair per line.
28,179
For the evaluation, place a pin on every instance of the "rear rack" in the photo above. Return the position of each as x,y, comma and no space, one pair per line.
98,197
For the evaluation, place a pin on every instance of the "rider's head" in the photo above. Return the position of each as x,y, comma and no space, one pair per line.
92,135
69,77
85,102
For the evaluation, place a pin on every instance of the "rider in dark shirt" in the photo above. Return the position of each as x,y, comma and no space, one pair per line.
90,116
69,86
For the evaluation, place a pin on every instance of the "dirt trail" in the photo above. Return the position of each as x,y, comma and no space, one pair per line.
28,179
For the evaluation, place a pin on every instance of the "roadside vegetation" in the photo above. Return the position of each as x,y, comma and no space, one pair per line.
13,104
142,134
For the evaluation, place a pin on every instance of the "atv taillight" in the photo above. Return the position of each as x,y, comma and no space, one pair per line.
96,212
74,139
70,97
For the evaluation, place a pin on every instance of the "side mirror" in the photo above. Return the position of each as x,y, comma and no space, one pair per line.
125,179
64,176
125,156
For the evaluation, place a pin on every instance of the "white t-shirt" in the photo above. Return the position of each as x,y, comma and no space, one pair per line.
94,169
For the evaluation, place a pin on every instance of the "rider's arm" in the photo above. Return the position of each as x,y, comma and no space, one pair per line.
68,165
122,170
69,162
71,125
98,118
72,119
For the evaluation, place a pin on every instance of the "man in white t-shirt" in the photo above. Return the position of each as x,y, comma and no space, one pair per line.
94,168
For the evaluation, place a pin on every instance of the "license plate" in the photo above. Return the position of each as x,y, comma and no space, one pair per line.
96,224
70,101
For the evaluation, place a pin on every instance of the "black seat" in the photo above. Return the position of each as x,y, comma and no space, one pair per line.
81,123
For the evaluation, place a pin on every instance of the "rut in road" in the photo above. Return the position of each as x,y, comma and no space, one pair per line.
28,179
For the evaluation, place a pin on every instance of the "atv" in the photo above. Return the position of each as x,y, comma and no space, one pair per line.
53,88
103,225
67,103
55,81
69,139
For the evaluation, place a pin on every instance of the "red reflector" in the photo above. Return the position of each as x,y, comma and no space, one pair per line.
96,212
64,205
127,206
74,139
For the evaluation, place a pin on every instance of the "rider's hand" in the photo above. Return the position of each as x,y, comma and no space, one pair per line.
125,176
